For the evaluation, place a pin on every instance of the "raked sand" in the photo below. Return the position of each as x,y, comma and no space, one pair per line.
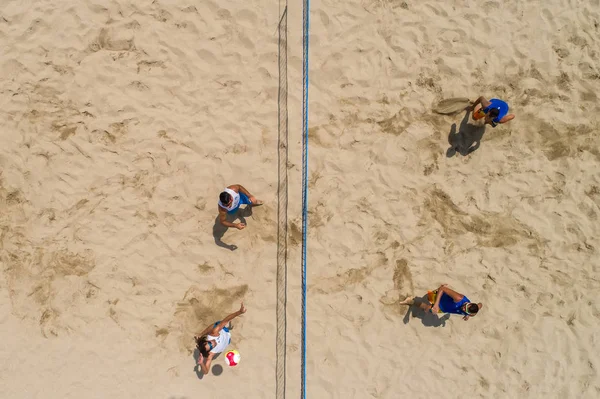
122,121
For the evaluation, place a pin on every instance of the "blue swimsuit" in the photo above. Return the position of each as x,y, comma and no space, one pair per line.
244,200
502,109
447,304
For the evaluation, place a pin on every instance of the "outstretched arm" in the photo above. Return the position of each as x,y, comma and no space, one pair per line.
227,319
205,331
507,118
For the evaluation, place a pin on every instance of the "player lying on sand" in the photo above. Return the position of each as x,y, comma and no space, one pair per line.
494,111
447,301
214,339
229,203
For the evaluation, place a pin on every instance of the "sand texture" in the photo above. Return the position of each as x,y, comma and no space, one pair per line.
123,120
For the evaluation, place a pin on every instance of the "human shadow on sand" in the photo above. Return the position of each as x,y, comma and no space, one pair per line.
467,139
219,230
428,319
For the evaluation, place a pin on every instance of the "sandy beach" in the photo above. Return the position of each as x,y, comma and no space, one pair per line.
122,122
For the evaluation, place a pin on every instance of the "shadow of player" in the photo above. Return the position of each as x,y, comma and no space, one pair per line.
219,230
467,139
427,318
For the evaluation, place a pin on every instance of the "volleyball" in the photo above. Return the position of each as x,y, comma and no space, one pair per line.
232,358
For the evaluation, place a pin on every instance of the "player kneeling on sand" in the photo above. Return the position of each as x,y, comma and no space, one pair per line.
494,111
446,300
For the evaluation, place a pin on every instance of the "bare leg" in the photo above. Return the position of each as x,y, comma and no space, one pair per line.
410,300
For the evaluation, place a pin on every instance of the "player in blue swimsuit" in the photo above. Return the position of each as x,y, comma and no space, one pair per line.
495,111
448,301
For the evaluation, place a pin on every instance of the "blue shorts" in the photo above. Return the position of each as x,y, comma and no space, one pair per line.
224,328
244,200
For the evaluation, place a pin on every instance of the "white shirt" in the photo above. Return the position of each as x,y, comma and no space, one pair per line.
221,341
234,204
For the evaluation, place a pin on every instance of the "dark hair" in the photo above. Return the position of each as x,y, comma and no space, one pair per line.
224,197
473,308
494,112
201,345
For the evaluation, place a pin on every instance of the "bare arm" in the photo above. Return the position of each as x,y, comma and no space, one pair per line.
223,218
436,306
507,118
483,101
227,319
205,366
241,189
206,331
456,297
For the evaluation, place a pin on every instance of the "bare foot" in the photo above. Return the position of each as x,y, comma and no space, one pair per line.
408,301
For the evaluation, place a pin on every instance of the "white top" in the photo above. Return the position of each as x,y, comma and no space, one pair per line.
234,204
221,341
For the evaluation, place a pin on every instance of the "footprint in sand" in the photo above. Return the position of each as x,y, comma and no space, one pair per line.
403,285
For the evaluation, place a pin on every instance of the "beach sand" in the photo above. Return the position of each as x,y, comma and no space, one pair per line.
122,122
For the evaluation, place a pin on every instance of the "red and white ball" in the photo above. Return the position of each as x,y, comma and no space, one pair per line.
232,358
